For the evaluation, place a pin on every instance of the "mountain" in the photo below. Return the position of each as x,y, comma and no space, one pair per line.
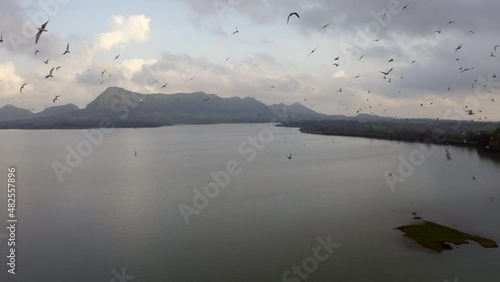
58,110
10,113
125,108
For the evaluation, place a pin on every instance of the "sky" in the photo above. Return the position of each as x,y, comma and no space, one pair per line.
192,46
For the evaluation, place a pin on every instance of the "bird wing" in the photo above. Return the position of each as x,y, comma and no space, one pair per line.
292,14
44,25
38,36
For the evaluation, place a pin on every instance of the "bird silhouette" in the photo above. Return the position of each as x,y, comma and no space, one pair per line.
50,74
67,50
41,30
22,86
292,14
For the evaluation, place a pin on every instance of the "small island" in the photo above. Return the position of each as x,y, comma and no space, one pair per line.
437,237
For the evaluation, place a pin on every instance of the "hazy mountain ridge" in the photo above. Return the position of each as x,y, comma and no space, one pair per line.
129,109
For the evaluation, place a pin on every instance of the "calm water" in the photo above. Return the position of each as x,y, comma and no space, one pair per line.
117,211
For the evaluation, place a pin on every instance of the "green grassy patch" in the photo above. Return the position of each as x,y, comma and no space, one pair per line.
437,237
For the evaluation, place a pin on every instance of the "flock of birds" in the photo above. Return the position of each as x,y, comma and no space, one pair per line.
369,108
42,29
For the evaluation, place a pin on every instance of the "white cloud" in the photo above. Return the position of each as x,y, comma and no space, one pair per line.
123,31
10,81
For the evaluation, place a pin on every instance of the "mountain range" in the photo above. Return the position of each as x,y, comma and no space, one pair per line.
122,108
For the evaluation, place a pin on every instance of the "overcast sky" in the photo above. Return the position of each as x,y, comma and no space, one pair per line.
187,43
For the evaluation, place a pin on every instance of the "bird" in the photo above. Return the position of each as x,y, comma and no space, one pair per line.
413,61
50,74
236,31
362,57
473,177
391,60
36,52
58,68
135,155
448,155
55,99
388,72
450,22
292,14
340,90
290,156
22,86
336,65
67,50
458,48
1,38
312,52
470,112
227,59
40,31
336,59
46,61
406,6
438,31
206,100
164,85
377,40
102,73
326,25
116,58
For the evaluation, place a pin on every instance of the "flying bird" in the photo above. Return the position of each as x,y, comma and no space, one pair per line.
448,155
116,58
22,86
40,31
227,59
458,48
36,52
362,57
312,52
67,50
438,31
55,99
102,73
46,61
387,73
290,156
1,38
406,6
58,68
236,31
292,14
164,85
326,25
50,74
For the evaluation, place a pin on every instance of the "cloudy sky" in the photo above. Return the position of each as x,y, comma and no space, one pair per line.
187,43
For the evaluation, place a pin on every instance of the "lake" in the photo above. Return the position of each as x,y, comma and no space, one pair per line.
329,209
